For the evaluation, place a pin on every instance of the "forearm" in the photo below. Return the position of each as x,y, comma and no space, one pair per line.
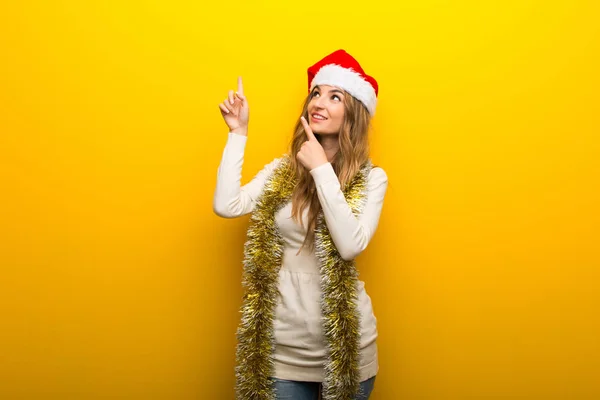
229,201
350,233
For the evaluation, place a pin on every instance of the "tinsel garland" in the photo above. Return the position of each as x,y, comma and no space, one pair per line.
263,253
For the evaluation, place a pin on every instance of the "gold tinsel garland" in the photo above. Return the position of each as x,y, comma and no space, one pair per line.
263,252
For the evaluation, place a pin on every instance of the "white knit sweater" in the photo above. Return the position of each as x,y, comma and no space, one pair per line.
300,346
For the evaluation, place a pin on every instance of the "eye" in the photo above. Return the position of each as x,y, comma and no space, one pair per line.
335,96
315,94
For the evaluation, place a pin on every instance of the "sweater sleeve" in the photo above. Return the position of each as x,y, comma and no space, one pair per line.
350,234
232,200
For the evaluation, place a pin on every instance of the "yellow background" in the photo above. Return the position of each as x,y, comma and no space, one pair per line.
119,282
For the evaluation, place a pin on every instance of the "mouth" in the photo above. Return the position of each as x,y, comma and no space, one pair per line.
316,117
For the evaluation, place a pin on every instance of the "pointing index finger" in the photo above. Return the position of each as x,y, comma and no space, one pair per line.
240,85
309,133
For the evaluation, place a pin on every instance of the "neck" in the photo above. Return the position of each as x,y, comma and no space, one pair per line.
330,144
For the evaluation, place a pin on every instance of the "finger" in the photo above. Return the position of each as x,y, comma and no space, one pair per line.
231,97
228,105
240,96
240,85
223,108
309,133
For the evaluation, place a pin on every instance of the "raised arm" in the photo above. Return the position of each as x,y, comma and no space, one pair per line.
231,199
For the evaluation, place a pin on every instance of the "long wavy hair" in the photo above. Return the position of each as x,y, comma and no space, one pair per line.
352,154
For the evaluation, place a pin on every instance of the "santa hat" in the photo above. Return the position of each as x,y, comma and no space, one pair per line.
340,69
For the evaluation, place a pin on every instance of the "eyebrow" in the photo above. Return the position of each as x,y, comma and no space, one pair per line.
332,90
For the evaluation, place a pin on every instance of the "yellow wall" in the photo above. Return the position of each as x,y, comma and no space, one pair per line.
119,282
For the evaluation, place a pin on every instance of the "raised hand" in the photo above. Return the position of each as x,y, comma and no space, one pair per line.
235,111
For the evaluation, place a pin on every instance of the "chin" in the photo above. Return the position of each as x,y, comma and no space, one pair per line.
322,131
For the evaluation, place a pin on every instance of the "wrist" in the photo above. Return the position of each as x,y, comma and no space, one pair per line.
241,131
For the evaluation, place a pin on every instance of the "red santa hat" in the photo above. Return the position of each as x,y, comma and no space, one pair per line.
340,69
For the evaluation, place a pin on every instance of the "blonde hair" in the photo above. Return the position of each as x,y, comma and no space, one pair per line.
352,154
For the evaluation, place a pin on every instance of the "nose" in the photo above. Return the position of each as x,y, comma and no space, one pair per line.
320,102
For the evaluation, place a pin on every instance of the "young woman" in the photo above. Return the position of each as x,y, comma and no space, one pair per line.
308,328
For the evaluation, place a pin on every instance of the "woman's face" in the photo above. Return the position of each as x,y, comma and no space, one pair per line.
326,109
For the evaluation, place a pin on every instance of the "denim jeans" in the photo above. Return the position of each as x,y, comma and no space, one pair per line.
296,390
